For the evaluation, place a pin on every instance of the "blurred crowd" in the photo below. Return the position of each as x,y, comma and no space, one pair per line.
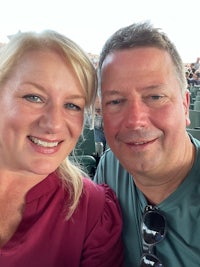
192,73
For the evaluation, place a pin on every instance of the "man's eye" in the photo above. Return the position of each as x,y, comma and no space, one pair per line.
33,98
72,106
114,102
156,97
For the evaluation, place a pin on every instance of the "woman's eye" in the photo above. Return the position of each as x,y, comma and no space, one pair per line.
72,106
33,98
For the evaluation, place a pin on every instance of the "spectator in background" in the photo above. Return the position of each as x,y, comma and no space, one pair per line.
193,79
196,78
189,78
197,64
99,135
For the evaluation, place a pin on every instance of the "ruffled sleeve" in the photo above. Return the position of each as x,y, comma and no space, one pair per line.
103,245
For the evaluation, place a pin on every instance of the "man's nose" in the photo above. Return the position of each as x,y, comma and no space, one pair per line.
136,115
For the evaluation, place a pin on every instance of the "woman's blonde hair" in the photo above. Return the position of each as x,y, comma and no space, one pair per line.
21,43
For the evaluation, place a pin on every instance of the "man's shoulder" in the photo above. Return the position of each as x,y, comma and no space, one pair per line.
109,154
109,169
108,158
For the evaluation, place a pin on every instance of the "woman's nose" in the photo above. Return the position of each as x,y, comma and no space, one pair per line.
52,120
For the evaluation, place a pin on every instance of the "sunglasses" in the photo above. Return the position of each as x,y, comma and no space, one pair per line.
154,228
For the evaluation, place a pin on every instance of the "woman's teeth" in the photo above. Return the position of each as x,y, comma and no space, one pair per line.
42,143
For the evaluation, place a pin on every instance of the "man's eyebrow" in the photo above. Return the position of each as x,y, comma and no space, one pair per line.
157,86
111,92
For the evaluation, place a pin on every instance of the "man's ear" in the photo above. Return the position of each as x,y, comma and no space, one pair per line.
186,104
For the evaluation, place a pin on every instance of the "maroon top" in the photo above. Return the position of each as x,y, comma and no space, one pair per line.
91,238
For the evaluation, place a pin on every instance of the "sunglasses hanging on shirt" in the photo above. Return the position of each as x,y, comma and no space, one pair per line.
153,229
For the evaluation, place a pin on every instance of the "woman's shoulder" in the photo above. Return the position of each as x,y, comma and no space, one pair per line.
98,193
104,222
99,199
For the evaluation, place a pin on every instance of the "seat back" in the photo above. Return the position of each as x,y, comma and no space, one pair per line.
195,133
86,143
196,105
87,163
84,154
194,119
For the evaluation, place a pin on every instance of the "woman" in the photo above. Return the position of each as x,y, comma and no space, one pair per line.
50,215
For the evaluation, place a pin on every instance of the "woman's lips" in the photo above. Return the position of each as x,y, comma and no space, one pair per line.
42,143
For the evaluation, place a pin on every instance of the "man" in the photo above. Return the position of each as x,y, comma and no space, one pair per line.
154,165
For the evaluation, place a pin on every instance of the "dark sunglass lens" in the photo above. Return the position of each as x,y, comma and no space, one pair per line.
150,260
153,227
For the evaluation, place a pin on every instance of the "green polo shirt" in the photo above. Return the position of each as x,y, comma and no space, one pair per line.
181,247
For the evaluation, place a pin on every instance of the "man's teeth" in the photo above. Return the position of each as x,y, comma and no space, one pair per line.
43,143
140,143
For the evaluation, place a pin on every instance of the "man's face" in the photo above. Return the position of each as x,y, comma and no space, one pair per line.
145,114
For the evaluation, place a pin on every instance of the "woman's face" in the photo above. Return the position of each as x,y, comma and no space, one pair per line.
41,114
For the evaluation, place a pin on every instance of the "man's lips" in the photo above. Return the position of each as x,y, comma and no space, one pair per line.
138,143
